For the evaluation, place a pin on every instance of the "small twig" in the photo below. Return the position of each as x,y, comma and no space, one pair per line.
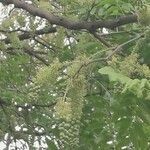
118,48
28,34
116,33
45,45
40,52
11,31
92,6
79,70
32,53
29,106
101,39
50,44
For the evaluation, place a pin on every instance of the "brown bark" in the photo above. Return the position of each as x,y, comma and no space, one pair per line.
71,24
27,35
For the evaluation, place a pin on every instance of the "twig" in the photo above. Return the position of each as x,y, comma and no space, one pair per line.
32,53
29,106
28,34
101,39
118,48
44,44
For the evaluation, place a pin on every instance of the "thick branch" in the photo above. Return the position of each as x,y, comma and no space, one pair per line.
71,24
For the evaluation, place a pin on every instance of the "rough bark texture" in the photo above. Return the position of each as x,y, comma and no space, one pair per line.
71,24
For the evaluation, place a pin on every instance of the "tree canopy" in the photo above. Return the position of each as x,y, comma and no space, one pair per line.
75,74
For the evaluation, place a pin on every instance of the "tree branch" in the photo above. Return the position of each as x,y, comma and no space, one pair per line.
29,106
29,34
34,54
45,45
119,47
116,49
101,39
71,24
29,50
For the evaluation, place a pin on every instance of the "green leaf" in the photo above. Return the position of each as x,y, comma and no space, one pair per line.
113,75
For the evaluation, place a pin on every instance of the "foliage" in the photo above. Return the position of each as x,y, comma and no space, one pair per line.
75,88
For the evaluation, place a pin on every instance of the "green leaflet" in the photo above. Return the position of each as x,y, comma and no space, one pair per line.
114,76
140,88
